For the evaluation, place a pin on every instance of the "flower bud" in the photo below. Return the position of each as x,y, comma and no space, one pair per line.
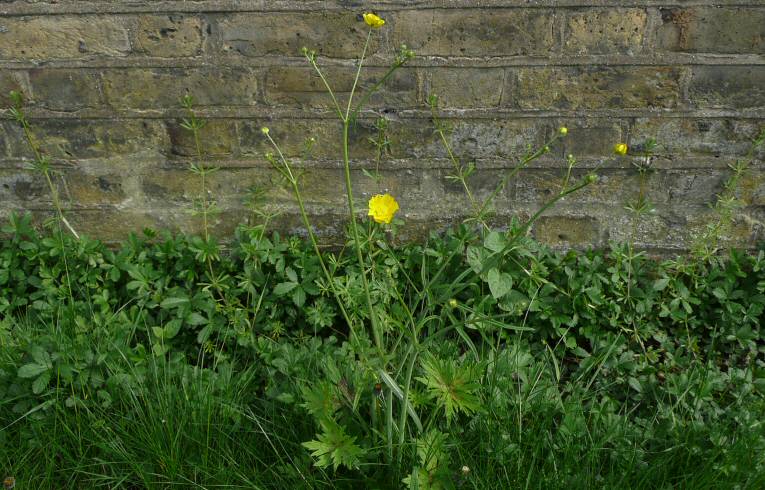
453,303
563,130
264,130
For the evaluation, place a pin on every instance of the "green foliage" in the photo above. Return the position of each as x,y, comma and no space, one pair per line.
334,447
568,356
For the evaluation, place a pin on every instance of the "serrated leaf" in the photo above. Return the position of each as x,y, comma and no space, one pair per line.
204,334
31,370
284,287
291,274
39,384
298,297
41,357
172,328
660,284
195,319
173,302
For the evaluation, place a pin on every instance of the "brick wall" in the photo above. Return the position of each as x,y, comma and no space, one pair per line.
103,79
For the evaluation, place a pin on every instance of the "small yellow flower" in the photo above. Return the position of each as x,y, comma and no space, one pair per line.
563,130
373,20
453,303
264,130
382,207
620,149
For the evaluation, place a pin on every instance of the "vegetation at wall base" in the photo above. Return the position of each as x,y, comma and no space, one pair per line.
126,368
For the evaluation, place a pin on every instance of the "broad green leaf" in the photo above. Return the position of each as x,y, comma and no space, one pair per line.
660,284
284,287
500,283
298,296
195,319
173,302
39,384
172,328
31,370
495,241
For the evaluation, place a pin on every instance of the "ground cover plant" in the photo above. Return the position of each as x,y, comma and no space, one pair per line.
478,358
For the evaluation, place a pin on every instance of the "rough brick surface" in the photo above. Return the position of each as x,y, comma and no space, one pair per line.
103,80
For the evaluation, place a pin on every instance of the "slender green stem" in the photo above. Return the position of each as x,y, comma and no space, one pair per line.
369,93
404,403
389,422
358,74
287,172
355,232
326,85
513,172
547,206
456,165
202,176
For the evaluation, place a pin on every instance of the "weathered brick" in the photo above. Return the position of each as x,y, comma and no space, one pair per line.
599,31
22,187
728,86
684,188
10,80
594,137
327,186
169,36
621,187
113,224
163,88
88,190
466,87
333,34
55,37
725,137
468,138
712,30
227,187
559,231
473,32
538,186
482,183
66,89
752,187
218,137
84,139
599,87
292,137
302,87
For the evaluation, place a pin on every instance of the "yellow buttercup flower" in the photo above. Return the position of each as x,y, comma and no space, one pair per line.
373,20
621,149
382,207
